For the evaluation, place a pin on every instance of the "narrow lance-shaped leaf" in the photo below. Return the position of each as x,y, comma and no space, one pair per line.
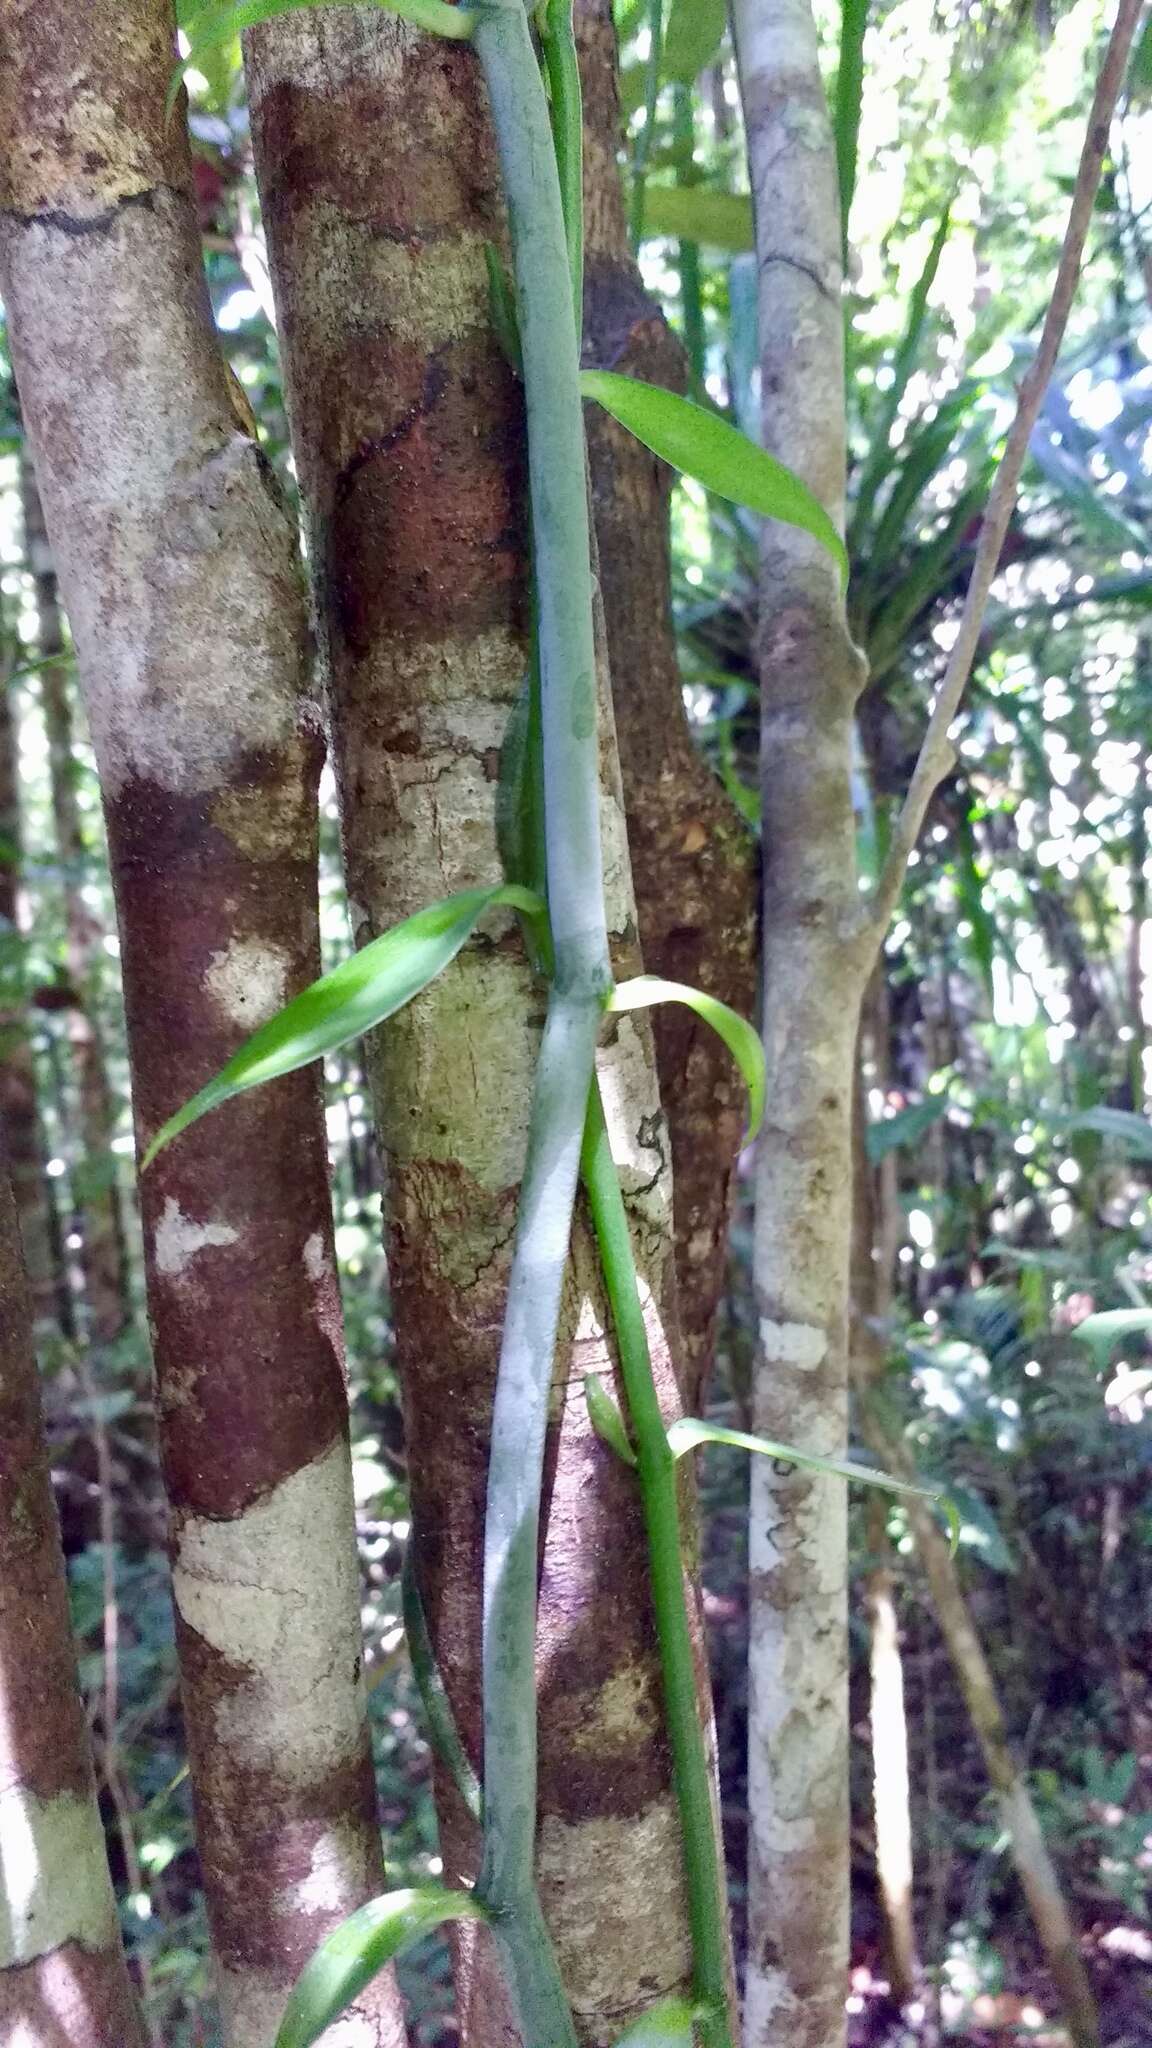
703,446
606,1418
375,983
359,1949
739,1036
694,213
693,36
445,1735
688,1433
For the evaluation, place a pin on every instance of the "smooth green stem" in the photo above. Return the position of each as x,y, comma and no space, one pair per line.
656,1466
642,148
562,66
688,253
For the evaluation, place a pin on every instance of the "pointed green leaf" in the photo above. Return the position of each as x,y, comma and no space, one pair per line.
739,1036
442,1729
688,1433
720,220
606,1418
375,983
694,33
703,446
849,95
502,309
359,1948
1102,1332
667,2025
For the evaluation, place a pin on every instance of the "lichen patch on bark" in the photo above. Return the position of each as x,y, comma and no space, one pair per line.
245,1585
803,1345
176,1239
249,980
613,1938
55,1871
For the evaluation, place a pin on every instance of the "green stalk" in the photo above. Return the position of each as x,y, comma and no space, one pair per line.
558,44
658,1486
642,149
688,253
582,978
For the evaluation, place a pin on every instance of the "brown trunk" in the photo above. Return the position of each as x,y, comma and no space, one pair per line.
64,1982
178,563
378,189
105,1252
19,1117
693,860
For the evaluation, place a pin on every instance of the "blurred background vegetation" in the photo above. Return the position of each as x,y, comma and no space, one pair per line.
1005,1069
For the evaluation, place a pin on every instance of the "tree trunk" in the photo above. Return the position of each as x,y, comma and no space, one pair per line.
105,1252
814,968
379,189
178,563
64,1982
694,861
19,1115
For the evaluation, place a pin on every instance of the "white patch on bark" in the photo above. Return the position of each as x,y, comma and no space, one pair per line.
252,2003
317,1264
803,1345
248,981
291,1707
611,1959
338,1872
177,1239
55,1876
637,1130
766,1999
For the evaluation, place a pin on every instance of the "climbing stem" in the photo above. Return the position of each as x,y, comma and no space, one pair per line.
659,1491
562,68
581,979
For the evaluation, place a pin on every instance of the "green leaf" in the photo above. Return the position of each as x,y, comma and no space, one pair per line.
606,1418
375,983
1123,1126
739,1036
688,1432
667,2025
979,1529
703,446
694,33
1104,1331
442,1729
849,96
359,1948
691,213
502,309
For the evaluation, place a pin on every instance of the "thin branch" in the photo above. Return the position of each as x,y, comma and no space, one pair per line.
936,753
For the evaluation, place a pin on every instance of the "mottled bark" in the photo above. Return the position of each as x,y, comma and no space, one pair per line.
105,1252
814,968
378,189
18,1110
693,858
64,1981
178,564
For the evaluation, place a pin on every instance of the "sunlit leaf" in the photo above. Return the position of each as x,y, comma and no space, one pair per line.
667,2025
1103,1331
359,1948
606,1418
694,33
687,1433
375,983
719,220
702,445
849,95
739,1036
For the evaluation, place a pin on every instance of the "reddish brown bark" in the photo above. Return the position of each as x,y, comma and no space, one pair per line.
64,1982
18,1109
179,566
694,862
378,191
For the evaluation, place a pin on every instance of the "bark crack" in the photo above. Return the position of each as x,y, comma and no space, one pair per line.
807,270
77,226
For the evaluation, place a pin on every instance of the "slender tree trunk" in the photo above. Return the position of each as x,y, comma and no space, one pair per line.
18,1109
64,1982
105,1251
693,859
179,567
813,979
1034,1867
378,190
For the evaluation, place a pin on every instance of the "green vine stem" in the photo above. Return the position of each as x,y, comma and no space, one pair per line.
656,1467
642,147
582,977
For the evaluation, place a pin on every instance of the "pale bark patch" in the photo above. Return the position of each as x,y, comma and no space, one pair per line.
803,1345
623,1712
435,292
177,1239
253,2007
623,1940
54,1876
766,2000
248,981
338,1872
246,1585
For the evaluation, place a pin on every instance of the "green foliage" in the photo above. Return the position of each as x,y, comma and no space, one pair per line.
687,1433
606,1418
667,2025
359,1949
739,1036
